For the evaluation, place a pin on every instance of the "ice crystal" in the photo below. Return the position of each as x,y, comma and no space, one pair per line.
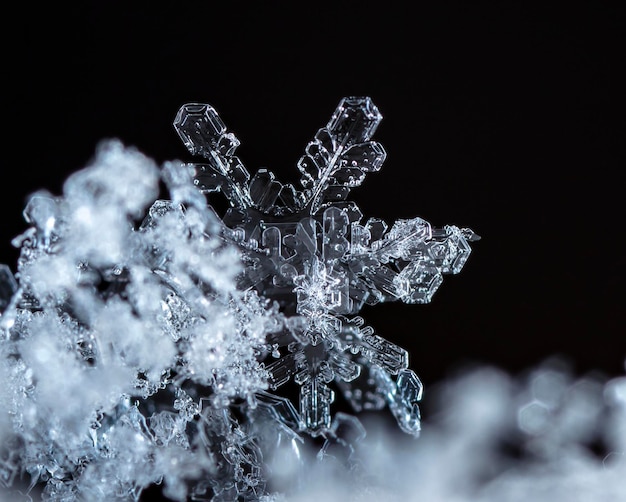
144,331
314,243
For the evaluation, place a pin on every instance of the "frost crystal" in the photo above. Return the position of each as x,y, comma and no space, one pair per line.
149,341
314,243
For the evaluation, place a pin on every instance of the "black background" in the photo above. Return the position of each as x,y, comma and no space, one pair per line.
504,117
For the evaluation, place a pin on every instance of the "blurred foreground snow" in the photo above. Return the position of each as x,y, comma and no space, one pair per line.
547,437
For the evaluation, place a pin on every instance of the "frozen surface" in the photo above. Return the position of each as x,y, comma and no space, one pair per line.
149,340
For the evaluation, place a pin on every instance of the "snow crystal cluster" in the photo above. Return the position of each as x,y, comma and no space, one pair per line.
148,340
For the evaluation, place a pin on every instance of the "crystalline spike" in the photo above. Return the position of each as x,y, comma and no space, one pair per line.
200,128
315,400
410,389
354,121
327,176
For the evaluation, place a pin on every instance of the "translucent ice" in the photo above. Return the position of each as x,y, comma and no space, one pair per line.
312,242
148,340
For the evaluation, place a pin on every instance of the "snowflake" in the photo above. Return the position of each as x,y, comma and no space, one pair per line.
149,340
309,250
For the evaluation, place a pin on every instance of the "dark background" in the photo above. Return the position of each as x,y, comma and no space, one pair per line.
504,117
